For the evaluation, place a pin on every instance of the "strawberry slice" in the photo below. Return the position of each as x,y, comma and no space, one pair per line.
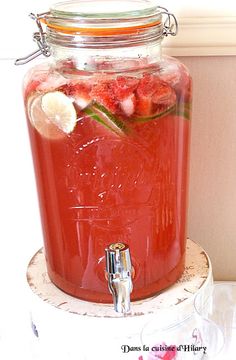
164,95
144,106
79,92
154,96
81,95
103,93
148,85
116,95
123,87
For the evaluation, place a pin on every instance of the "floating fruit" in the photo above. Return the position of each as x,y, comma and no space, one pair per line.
123,87
102,115
103,94
40,121
154,96
60,110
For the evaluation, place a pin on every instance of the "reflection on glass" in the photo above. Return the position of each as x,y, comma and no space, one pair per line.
172,337
219,308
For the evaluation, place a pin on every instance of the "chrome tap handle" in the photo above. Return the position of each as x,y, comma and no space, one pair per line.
119,273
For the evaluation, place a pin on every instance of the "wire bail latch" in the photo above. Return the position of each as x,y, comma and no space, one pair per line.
170,24
40,38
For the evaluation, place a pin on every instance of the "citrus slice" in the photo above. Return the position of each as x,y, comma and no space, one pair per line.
100,114
114,123
39,120
156,116
60,110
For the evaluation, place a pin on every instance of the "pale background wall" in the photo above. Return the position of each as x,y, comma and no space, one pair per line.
212,210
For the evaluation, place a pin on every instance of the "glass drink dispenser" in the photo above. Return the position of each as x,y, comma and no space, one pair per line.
109,125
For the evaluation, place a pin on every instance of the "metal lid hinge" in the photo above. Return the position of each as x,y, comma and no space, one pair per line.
40,38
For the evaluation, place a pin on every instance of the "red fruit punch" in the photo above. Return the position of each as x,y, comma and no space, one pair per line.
114,177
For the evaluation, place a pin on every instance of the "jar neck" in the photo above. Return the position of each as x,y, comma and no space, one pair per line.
118,41
107,31
109,59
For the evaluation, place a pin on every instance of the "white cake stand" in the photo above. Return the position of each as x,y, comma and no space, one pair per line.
71,329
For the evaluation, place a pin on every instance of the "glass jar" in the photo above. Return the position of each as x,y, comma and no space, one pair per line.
219,310
109,127
190,337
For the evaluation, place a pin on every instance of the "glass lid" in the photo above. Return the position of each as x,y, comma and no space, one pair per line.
97,17
105,8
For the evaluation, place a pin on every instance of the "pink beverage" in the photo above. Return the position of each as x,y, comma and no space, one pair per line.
110,151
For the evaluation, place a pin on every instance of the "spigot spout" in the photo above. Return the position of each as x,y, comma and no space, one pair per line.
119,274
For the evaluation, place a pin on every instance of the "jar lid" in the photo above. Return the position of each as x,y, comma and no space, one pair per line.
104,17
104,8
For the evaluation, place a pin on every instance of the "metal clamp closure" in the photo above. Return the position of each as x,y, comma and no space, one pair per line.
170,24
40,38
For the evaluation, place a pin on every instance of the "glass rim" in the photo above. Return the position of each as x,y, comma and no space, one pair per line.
80,9
215,285
167,328
78,17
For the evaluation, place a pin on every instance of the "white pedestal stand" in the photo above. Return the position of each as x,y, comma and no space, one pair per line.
72,329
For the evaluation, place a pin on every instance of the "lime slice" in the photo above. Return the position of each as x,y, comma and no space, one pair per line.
39,120
112,121
100,114
156,116
185,110
60,110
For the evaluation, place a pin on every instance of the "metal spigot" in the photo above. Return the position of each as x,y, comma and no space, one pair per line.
119,275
